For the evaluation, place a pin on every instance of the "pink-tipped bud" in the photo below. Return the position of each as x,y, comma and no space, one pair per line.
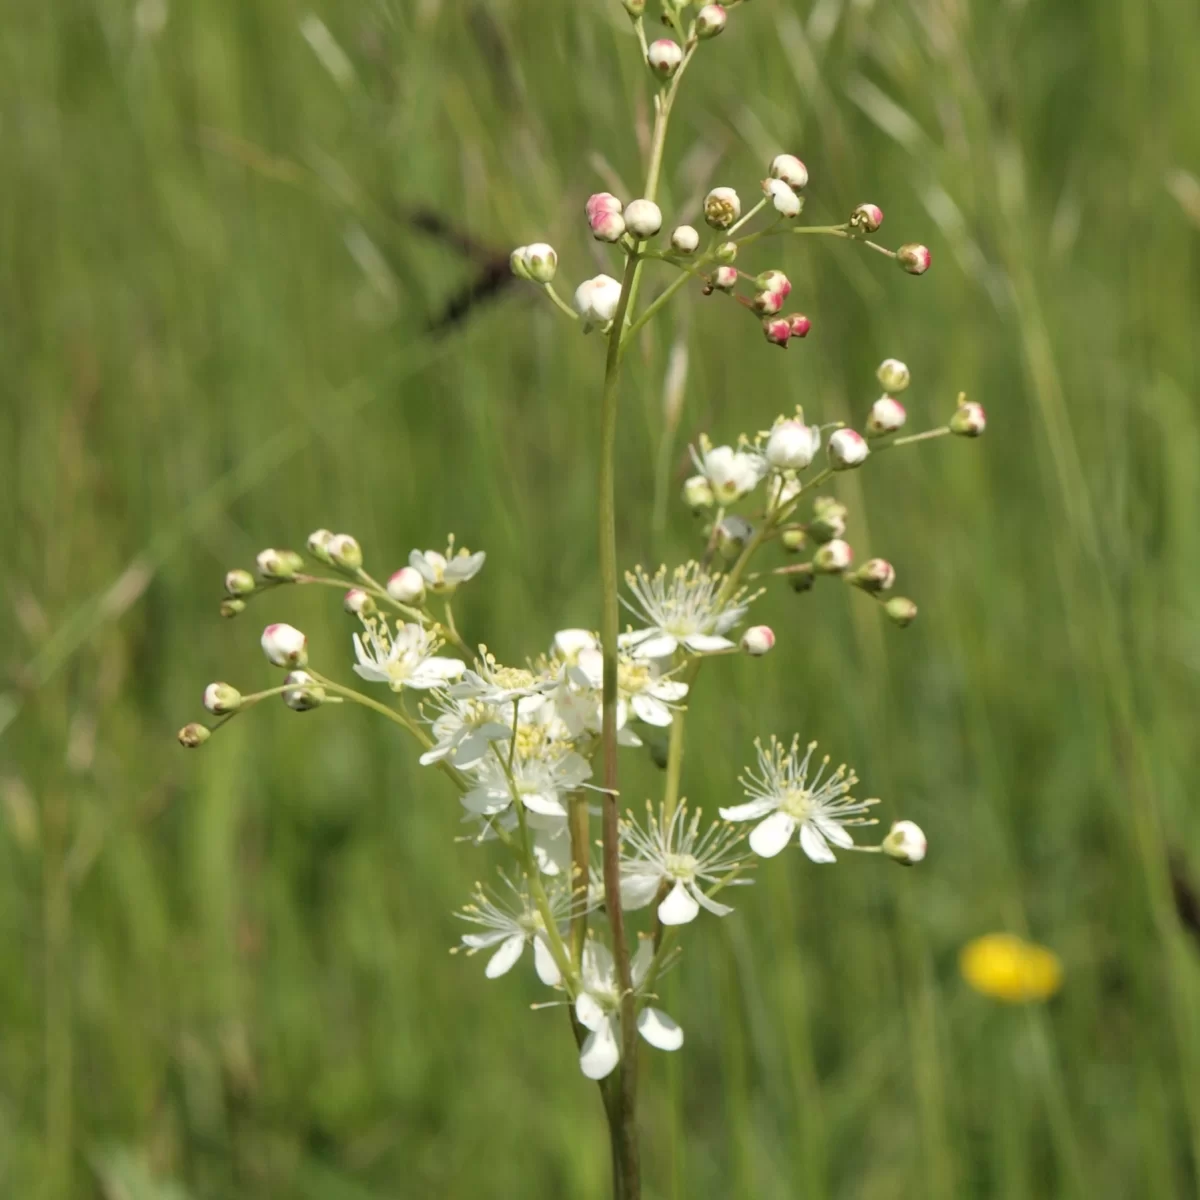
914,259
345,552
767,304
886,416
722,207
847,449
774,281
800,325
789,169
239,582
278,564
710,21
725,279
893,374
358,602
664,57
777,330
875,575
792,445
787,204
222,698
758,640
866,218
684,240
194,735
604,217
407,586
285,646
643,218
901,611
905,843
833,558
969,419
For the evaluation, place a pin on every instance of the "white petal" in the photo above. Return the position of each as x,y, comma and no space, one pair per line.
626,737
770,836
543,960
503,960
484,801
643,956
659,1029
639,887
598,969
478,941
656,646
472,748
748,812
600,1053
717,909
588,1011
652,711
371,673
834,833
679,907
546,803
706,643
814,845
442,668
631,637
436,755
668,689
728,619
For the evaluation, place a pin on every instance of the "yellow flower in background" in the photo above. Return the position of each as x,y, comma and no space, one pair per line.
1004,967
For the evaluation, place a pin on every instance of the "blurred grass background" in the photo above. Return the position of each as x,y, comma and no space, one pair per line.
225,974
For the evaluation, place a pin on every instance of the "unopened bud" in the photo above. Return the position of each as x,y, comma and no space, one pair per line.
725,279
758,640
905,843
345,552
769,303
847,449
969,419
604,217
222,698
829,519
643,218
516,264
698,493
785,201
794,540
833,558
634,8
914,259
597,299
866,218
791,170
722,207
664,57
278,564
318,542
886,416
726,252
303,693
710,21
792,445
875,575
799,575
194,735
800,325
893,374
540,261
285,646
358,603
901,611
773,281
407,586
232,607
239,582
777,331
684,240
733,534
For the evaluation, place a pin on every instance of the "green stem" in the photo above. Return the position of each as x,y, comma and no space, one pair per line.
548,288
453,634
747,218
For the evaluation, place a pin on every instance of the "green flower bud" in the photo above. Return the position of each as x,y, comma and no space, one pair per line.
901,610
345,552
194,735
232,608
222,698
239,583
279,565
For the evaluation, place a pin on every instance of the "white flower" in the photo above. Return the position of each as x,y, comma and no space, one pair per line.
683,608
598,1009
404,658
785,200
790,169
886,416
782,795
722,206
513,922
494,684
680,855
285,646
640,682
464,731
444,572
596,300
731,473
792,445
539,779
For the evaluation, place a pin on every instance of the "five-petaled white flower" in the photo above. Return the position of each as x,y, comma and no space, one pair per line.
444,572
678,854
539,781
495,684
783,796
685,607
598,1009
464,731
403,658
640,682
731,473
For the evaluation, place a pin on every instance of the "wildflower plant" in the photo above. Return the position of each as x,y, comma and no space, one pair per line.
532,750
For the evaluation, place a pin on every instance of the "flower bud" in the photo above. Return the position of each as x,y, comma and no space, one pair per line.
769,303
875,575
698,493
407,586
905,843
597,299
239,582
732,535
604,217
829,519
893,374
358,603
914,259
847,449
789,169
758,640
345,552
684,240
901,611
773,281
278,564
722,207
792,445
710,21
285,646
303,693
886,416
777,330
725,279
787,204
866,218
643,218
794,540
664,57
516,264
232,608
194,735
634,8
726,252
222,698
800,325
318,542
540,262
969,419
799,575
833,558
